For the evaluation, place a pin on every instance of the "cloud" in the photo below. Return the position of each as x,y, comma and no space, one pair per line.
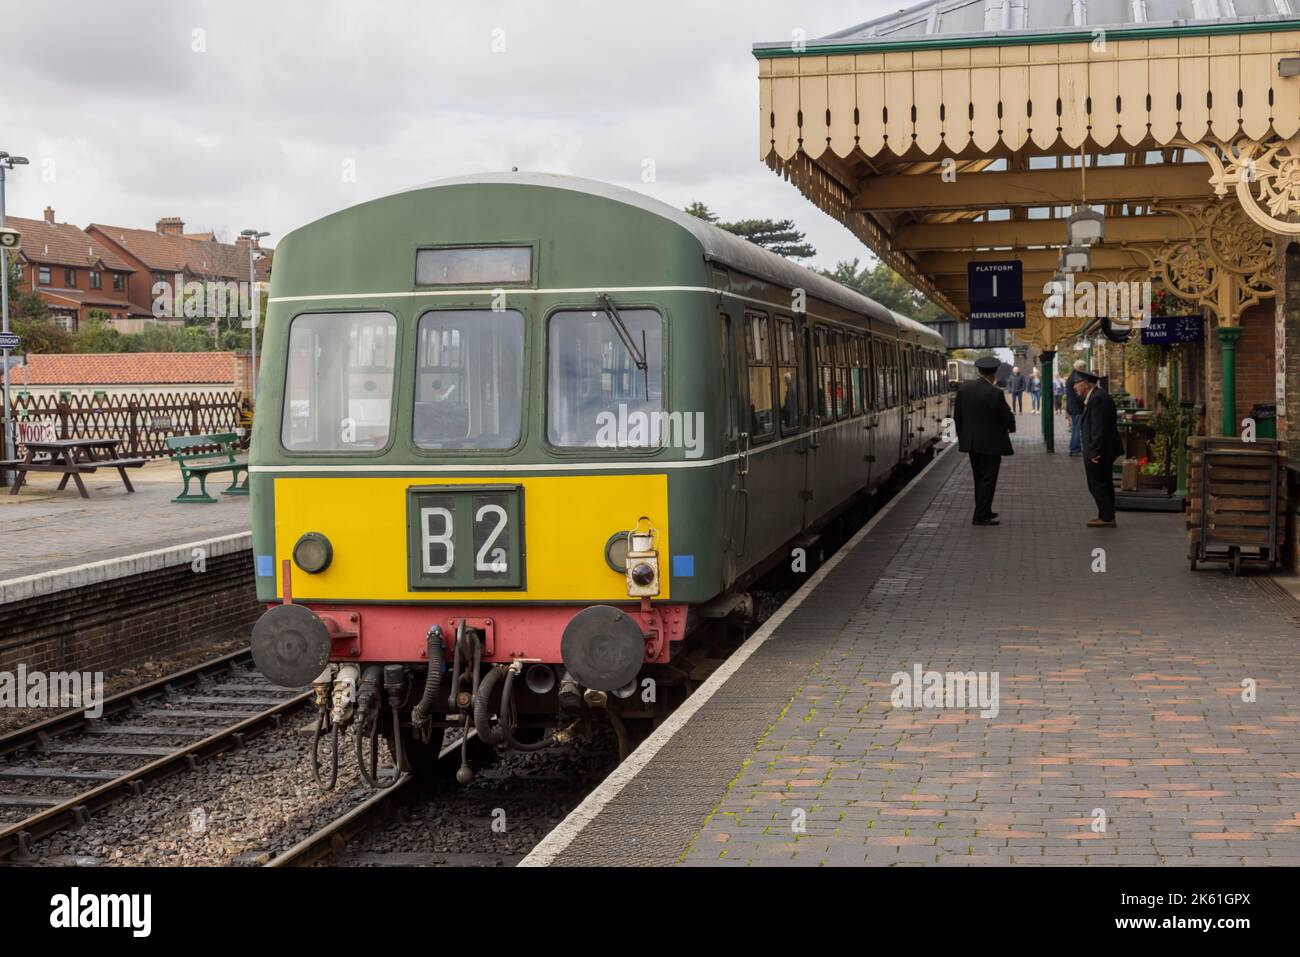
234,114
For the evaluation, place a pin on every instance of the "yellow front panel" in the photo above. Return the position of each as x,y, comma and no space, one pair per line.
567,520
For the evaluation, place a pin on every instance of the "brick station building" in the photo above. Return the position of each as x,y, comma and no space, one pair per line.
77,275
958,131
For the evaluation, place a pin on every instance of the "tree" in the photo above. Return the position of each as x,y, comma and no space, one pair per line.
700,211
886,287
778,235
40,335
96,335
169,339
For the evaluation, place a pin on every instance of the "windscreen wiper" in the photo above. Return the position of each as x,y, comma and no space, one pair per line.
638,355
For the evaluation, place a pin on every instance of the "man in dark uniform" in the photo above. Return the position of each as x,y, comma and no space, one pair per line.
984,422
1099,436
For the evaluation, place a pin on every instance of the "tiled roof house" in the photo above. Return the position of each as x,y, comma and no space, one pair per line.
159,255
75,273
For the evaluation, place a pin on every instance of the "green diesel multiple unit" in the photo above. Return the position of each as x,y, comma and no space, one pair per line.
537,426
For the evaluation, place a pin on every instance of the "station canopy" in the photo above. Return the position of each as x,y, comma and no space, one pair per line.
973,129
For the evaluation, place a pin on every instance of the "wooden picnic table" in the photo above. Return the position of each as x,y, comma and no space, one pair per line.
72,457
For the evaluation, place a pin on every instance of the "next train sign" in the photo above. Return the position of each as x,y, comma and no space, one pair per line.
995,290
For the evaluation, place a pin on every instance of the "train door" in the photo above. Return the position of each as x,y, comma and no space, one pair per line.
889,433
866,377
813,346
908,399
734,466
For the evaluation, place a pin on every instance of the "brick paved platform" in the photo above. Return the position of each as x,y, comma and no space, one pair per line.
46,529
1120,695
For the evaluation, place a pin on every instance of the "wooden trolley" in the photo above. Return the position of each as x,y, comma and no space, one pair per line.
1235,496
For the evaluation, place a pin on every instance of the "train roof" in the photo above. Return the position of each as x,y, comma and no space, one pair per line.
719,245
920,328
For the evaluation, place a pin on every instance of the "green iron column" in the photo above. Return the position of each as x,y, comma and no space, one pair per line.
1046,400
1228,336
1175,398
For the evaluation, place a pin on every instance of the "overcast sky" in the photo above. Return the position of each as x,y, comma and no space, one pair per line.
238,114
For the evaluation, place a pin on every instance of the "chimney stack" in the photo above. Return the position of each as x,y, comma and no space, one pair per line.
171,226
49,214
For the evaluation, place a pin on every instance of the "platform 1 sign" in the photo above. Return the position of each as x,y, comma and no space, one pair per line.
995,290
1169,330
9,340
995,283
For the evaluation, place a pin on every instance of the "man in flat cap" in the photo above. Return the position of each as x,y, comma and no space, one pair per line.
984,422
1099,438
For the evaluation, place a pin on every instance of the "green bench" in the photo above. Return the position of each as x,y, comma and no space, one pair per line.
197,458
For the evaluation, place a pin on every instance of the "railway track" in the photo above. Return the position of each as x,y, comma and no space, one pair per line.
56,773
377,809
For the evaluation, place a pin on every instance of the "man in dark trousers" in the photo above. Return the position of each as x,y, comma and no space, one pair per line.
984,422
1099,436
1074,407
1016,384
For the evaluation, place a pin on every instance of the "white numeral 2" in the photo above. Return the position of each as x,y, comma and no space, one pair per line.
498,563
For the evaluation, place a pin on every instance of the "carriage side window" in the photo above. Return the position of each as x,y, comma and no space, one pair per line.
882,372
868,374
841,375
469,380
787,382
338,393
855,374
892,357
825,387
878,372
594,382
758,350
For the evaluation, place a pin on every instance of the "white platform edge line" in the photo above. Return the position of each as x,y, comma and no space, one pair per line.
564,833
44,583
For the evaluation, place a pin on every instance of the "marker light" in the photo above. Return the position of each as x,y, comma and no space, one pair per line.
642,574
313,553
